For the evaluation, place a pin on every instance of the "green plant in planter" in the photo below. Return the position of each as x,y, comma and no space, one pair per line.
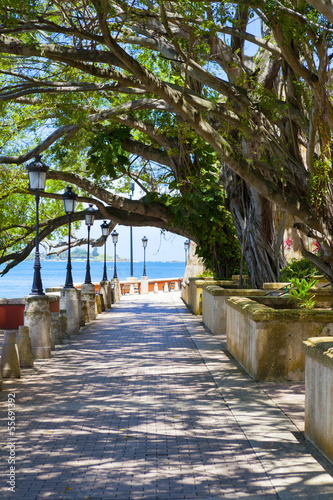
301,294
300,268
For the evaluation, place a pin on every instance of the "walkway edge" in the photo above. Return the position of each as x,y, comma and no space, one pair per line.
292,469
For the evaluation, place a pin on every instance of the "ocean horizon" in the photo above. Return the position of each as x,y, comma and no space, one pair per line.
18,281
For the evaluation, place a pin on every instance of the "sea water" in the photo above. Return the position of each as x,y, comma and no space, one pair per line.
18,281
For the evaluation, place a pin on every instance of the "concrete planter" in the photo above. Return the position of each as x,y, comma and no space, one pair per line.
266,337
214,309
319,393
195,286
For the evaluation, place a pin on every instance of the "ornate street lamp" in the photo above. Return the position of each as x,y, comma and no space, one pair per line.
37,179
131,233
115,235
89,213
144,244
69,198
105,233
186,247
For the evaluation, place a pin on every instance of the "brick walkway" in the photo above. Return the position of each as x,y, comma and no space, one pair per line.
144,403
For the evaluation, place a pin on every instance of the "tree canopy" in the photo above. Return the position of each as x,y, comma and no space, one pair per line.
196,96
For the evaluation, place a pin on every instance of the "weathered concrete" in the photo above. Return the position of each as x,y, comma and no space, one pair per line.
84,312
116,289
55,324
10,365
24,348
105,291
194,291
319,393
88,294
144,288
63,324
38,318
69,300
267,342
98,304
214,309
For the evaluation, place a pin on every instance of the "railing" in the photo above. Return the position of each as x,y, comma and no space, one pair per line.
160,282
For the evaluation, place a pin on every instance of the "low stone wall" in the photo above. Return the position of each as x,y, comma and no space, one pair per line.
195,287
267,342
319,393
214,309
12,311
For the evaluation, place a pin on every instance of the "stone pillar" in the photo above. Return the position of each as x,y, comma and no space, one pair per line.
84,312
155,287
38,318
98,304
117,292
131,290
101,297
144,288
69,300
63,324
165,288
176,286
88,294
24,348
105,291
10,365
55,323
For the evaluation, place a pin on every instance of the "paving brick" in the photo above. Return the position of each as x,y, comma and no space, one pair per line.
135,407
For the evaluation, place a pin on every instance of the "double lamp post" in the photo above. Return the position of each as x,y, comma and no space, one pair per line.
37,171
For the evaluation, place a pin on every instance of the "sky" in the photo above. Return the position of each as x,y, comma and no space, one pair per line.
165,247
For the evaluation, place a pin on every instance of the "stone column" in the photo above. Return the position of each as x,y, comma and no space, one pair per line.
101,298
98,304
10,365
55,323
24,348
176,286
38,318
84,312
144,288
165,288
117,292
88,295
69,300
155,287
105,290
63,324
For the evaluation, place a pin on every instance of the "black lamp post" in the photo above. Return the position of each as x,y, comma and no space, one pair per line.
186,247
144,244
37,179
115,235
69,198
90,217
105,233
131,233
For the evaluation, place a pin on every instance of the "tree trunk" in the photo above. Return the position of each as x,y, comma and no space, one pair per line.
254,220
